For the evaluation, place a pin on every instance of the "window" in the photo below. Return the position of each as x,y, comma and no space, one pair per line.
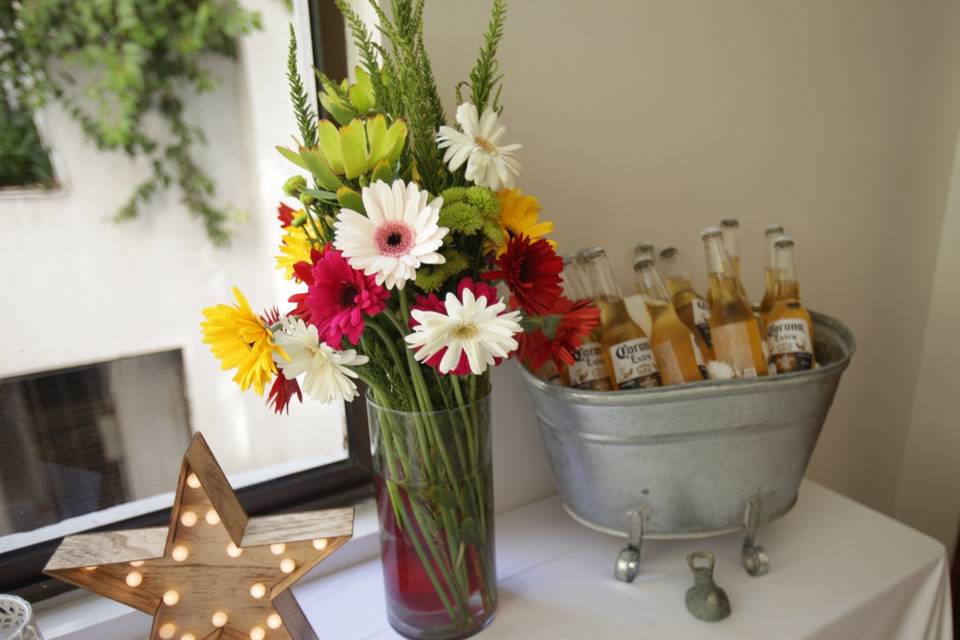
95,443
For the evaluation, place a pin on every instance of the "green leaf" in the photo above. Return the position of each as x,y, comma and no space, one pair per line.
350,199
329,196
470,532
293,157
361,95
383,170
377,137
337,107
353,144
442,496
316,164
396,136
330,144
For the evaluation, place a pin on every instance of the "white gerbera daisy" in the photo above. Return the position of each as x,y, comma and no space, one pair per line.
328,377
472,326
478,144
398,234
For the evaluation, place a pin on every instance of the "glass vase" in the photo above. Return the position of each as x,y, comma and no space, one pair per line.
434,486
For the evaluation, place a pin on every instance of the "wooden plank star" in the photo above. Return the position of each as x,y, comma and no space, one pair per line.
213,573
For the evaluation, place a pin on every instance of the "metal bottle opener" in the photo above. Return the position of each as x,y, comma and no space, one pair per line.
705,600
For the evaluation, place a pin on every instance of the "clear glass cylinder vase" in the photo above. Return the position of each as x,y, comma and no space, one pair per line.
434,484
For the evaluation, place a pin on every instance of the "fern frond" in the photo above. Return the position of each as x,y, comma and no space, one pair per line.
306,118
366,46
484,77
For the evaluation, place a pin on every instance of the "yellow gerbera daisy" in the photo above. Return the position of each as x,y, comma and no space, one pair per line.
294,248
241,340
521,214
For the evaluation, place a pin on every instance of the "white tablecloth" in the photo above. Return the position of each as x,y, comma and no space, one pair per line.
838,571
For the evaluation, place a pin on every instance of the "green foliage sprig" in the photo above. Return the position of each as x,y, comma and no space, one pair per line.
112,63
484,76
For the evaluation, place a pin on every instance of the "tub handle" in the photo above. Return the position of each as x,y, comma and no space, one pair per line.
628,561
754,558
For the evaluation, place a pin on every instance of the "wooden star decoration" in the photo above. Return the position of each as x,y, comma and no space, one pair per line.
213,573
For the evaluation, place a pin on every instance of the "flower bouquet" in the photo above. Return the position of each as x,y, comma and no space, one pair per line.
421,267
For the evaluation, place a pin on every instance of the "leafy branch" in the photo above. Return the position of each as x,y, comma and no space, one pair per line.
113,63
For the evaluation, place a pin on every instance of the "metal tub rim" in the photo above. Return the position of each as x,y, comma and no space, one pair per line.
706,388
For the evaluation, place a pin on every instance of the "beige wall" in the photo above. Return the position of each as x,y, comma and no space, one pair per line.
652,119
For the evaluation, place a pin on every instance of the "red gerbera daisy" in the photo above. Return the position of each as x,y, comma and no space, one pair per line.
285,215
560,333
340,296
303,272
532,271
282,392
433,303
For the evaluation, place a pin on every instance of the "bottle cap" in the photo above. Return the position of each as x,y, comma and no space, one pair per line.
592,252
642,263
773,229
642,248
668,253
710,232
730,223
783,241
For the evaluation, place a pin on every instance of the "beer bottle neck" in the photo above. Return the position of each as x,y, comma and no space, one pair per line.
675,272
649,283
602,280
718,263
572,282
785,266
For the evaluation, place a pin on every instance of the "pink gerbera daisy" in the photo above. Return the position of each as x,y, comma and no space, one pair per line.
340,296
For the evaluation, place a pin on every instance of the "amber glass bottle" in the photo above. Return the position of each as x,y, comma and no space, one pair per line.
773,232
626,349
690,305
789,326
588,370
733,327
675,347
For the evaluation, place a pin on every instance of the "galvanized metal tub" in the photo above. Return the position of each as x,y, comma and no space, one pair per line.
701,459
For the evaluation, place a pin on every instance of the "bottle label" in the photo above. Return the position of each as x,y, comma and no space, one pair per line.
731,344
701,363
633,364
587,370
701,318
790,346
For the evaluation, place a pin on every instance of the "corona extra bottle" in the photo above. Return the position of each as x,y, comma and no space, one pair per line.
733,327
626,350
730,227
642,251
675,347
773,232
690,305
789,326
588,370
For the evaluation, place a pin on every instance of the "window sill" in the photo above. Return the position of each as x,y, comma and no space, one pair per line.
556,578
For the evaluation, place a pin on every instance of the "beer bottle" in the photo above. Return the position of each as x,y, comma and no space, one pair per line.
730,227
641,251
773,232
690,306
675,348
587,370
789,326
733,327
636,306
626,349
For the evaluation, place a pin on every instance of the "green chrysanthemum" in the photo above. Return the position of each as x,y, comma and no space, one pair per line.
430,278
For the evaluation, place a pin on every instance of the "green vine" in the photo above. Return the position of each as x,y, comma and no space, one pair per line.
113,63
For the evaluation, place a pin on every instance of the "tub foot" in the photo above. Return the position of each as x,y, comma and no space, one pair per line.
628,561
755,560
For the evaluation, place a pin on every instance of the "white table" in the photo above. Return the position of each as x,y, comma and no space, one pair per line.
838,570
